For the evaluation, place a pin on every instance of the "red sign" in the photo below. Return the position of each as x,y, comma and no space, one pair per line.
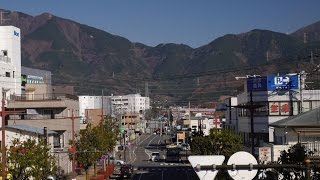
216,122
274,108
285,108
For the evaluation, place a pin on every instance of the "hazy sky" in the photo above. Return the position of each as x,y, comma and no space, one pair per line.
191,22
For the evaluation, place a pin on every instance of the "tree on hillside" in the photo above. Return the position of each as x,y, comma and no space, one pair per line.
30,159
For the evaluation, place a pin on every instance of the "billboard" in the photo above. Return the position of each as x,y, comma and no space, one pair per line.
273,83
257,84
284,82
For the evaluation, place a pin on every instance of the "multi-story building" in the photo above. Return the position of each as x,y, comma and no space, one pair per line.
10,61
131,103
273,98
38,107
93,103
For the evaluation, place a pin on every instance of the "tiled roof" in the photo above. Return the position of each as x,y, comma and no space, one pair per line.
30,129
307,119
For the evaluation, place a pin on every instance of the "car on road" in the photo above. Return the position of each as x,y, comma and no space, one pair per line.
126,170
117,162
155,156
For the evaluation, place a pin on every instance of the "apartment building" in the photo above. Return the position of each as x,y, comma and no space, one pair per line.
10,61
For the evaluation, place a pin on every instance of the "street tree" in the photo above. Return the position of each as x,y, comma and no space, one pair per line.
95,141
219,142
30,159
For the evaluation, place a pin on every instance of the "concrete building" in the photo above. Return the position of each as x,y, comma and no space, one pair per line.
131,103
273,100
10,61
38,107
93,103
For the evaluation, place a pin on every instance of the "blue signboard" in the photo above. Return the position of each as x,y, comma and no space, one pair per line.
272,83
257,84
284,82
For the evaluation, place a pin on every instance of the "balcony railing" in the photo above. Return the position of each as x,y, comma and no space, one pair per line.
314,147
42,97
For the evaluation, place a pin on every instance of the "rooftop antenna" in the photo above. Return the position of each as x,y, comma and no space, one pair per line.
2,18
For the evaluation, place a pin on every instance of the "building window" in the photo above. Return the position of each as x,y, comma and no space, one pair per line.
4,52
7,74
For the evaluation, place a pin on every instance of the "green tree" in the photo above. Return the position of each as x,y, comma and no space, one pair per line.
30,158
86,145
93,142
224,142
219,142
296,154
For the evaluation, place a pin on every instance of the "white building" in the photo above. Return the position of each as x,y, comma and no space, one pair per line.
131,103
93,102
10,61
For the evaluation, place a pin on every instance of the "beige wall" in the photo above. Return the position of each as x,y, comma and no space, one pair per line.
94,116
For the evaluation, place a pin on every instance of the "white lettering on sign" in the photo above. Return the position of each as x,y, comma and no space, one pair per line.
281,80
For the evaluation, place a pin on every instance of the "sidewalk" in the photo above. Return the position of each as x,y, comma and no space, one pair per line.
82,176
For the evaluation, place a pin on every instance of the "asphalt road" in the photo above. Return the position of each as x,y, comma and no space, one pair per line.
139,155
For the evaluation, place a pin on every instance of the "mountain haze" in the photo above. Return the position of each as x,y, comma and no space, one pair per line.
91,59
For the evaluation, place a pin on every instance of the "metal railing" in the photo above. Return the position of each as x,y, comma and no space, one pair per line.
42,97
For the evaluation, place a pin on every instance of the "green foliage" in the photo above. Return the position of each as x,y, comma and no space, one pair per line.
30,159
224,142
296,154
93,142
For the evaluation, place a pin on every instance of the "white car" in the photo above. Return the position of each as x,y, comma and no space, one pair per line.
116,161
155,156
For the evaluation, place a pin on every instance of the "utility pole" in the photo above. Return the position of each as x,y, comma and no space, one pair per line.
45,135
251,107
73,145
73,149
102,107
3,142
302,77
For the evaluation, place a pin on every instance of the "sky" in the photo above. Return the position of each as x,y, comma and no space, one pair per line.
191,22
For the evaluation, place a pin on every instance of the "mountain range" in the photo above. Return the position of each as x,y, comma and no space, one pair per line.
93,60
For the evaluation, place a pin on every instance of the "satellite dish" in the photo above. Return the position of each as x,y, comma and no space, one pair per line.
242,158
206,161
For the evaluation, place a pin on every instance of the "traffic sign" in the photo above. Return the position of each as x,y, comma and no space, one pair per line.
242,158
204,161
104,157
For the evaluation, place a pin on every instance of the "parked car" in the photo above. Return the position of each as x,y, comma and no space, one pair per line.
117,162
155,156
126,170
